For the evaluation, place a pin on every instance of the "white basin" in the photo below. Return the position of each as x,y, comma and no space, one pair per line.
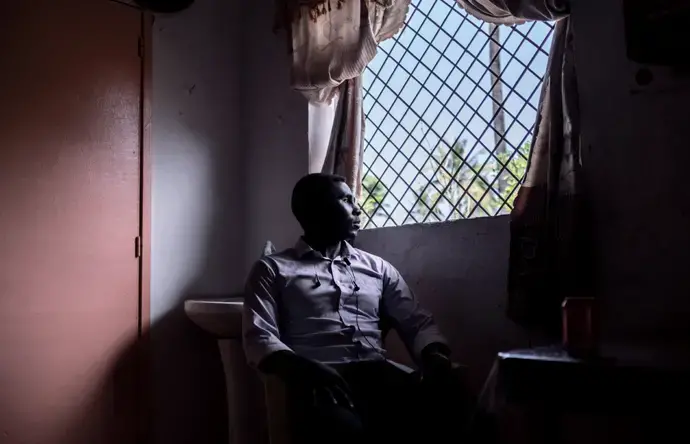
221,318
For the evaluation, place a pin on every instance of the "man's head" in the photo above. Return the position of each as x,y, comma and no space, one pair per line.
325,207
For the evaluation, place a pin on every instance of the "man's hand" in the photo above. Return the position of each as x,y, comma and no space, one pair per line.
323,381
326,383
436,364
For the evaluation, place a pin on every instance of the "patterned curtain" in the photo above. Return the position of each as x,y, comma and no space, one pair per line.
549,235
331,42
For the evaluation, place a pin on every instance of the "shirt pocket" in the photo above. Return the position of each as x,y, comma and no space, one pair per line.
303,298
369,293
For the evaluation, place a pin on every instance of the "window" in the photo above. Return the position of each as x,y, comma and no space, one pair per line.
450,103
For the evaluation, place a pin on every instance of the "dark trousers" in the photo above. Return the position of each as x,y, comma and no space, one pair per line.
391,405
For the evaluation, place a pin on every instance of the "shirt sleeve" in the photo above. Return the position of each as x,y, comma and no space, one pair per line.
260,332
415,325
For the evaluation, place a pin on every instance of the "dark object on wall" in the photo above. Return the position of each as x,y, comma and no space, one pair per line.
644,77
164,6
655,31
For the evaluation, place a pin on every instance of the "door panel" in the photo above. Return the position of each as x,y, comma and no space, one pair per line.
69,213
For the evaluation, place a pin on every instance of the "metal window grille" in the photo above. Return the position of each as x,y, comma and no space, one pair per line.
450,104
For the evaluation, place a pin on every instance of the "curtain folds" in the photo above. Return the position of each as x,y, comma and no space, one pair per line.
332,41
549,230
346,146
509,12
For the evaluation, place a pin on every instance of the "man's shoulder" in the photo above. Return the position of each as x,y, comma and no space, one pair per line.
280,259
375,262
289,259
287,254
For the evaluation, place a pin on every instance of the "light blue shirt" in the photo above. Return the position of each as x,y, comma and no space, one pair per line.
329,310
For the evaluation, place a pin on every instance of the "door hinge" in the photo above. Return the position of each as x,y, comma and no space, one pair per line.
140,47
137,247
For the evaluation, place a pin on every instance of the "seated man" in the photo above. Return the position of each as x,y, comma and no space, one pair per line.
313,317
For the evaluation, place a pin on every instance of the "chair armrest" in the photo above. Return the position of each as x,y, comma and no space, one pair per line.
403,367
459,371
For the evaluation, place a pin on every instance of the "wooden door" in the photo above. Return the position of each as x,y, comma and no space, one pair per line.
70,83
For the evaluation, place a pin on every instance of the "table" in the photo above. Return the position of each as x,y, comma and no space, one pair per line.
542,395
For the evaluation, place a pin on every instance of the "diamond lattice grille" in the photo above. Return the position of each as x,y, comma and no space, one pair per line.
450,104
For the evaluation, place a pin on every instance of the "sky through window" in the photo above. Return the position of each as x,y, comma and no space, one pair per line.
450,103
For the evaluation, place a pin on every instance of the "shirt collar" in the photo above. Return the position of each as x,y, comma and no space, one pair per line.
302,248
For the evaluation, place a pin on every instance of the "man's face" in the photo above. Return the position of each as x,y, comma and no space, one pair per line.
341,214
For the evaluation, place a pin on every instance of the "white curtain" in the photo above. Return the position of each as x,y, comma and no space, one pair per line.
332,41
509,12
321,118
344,156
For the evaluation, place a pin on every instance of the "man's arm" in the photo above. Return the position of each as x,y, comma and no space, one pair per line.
415,325
260,333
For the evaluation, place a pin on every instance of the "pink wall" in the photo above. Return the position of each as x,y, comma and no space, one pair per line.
69,214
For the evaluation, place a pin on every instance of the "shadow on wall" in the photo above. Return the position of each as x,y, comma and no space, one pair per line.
189,370
110,413
458,271
172,392
187,383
